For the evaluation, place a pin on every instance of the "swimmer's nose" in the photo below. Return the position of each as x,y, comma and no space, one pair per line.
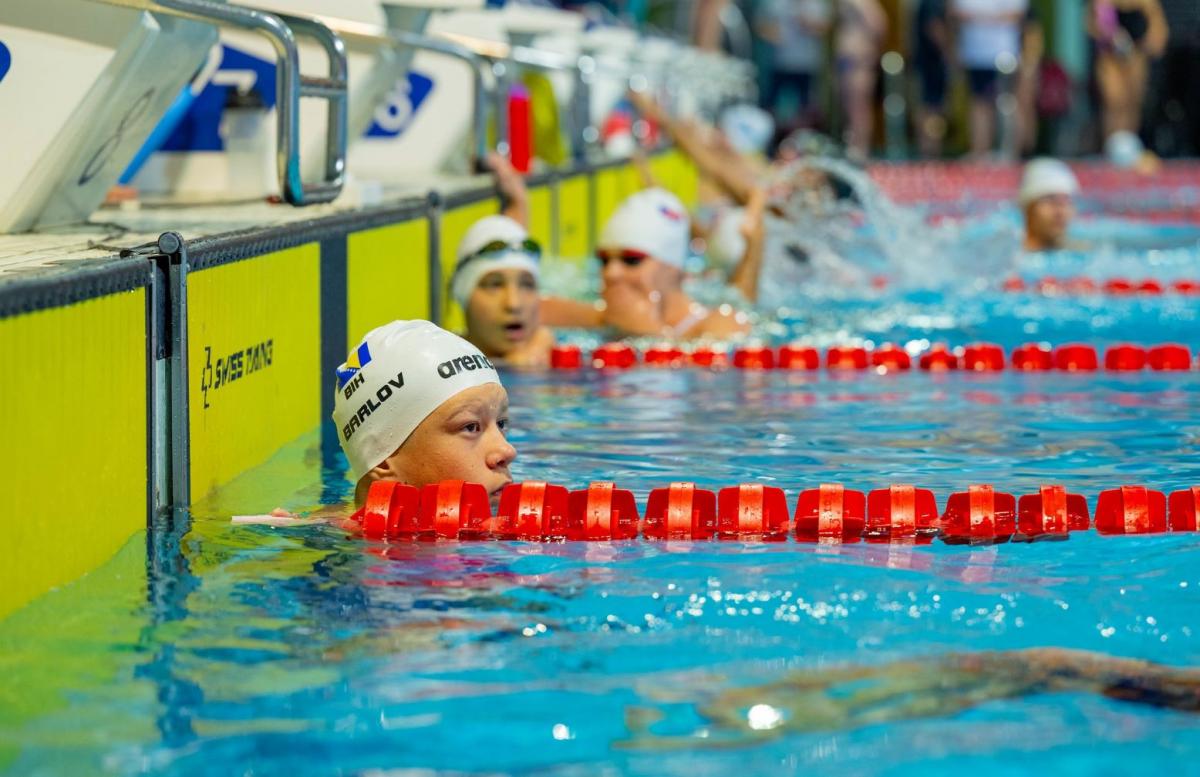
613,271
501,454
512,297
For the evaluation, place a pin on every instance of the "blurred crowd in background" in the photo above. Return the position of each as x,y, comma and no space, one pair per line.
948,78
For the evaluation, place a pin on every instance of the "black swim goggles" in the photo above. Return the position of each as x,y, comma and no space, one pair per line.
527,246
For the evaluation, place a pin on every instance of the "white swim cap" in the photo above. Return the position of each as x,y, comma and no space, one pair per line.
1123,148
492,243
726,244
652,221
748,127
390,383
1044,177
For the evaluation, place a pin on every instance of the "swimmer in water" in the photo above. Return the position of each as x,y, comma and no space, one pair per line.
643,248
1048,188
416,404
496,283
829,699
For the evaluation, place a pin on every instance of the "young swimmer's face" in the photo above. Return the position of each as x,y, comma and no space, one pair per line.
625,271
464,439
1047,219
502,312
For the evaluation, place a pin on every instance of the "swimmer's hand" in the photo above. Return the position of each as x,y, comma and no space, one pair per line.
632,312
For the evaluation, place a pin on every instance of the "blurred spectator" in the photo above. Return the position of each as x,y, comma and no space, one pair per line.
1033,45
1127,35
989,46
796,30
931,46
860,30
1175,116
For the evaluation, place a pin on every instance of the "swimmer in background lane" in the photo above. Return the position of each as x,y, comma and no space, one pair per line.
1048,188
643,248
416,404
496,283
840,698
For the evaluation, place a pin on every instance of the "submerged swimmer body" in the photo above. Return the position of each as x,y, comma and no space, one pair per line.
849,697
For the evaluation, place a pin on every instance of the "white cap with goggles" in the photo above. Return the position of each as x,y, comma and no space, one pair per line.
399,374
492,243
653,222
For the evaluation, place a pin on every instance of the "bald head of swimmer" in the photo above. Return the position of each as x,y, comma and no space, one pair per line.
1047,199
496,284
644,245
417,404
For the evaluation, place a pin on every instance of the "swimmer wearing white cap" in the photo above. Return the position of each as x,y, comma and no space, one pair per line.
417,404
496,283
1046,198
643,248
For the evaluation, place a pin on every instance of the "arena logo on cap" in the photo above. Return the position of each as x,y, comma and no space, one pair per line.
469,362
234,367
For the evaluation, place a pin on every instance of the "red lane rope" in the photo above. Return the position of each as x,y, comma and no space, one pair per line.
830,513
977,357
1080,285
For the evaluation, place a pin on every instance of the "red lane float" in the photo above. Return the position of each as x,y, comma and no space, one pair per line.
566,357
710,357
614,356
1051,512
664,356
680,512
830,513
391,510
752,511
1183,507
1117,287
532,510
1076,357
1131,510
901,513
983,357
453,510
754,358
846,358
602,512
1125,358
1032,357
799,357
891,358
980,515
1169,358
939,358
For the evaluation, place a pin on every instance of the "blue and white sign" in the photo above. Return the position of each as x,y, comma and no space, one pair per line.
400,106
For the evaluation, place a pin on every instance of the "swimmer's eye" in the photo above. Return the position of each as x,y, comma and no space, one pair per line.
503,424
492,282
474,427
529,283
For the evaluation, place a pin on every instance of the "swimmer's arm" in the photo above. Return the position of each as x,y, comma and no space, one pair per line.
723,322
570,313
514,197
745,276
644,172
732,178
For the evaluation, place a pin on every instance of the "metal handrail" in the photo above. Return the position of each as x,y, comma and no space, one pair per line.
383,36
290,86
582,68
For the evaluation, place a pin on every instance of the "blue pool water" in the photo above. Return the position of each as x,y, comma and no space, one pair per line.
253,650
